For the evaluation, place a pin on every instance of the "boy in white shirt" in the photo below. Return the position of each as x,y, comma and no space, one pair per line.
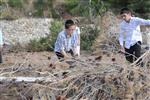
65,42
130,37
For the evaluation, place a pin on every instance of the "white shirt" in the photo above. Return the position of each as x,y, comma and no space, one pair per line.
76,34
77,30
1,38
130,32
63,42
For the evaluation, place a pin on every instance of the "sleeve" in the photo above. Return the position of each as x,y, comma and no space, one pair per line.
141,21
60,41
121,37
78,30
74,40
1,37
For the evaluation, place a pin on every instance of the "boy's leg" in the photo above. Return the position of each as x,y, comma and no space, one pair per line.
59,55
71,52
1,60
129,54
137,50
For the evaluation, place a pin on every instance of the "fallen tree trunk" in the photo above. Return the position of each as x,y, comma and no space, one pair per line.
26,79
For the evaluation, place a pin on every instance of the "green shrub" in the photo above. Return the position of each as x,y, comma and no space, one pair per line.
77,7
88,36
46,43
15,3
140,7
53,13
40,44
39,7
56,27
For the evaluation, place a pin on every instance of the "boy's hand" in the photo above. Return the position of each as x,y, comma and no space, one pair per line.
122,49
1,47
75,51
67,57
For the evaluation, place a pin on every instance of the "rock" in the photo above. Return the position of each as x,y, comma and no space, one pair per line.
23,30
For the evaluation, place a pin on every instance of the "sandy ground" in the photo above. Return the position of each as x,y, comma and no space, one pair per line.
41,61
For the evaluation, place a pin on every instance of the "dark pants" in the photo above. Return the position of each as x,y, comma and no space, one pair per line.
1,60
134,52
60,55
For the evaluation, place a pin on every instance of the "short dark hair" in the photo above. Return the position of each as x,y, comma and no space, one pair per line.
125,10
69,23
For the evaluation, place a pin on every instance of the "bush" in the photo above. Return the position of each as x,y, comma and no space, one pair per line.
40,44
55,28
46,43
77,7
41,5
39,8
88,36
15,3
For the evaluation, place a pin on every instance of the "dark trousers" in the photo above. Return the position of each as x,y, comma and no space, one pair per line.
1,60
134,52
60,55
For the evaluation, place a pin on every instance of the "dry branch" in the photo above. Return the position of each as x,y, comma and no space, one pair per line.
26,79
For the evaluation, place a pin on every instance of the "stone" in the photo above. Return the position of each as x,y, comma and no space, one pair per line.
24,29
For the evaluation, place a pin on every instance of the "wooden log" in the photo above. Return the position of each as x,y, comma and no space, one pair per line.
26,79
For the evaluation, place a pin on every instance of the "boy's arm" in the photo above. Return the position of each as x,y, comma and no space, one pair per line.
62,46
121,40
64,53
79,32
143,21
1,39
121,37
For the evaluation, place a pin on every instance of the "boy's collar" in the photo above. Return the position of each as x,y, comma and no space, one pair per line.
67,35
129,20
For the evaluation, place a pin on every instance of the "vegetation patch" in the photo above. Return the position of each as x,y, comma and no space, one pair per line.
46,43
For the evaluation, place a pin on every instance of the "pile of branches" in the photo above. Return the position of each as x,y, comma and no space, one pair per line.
87,79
